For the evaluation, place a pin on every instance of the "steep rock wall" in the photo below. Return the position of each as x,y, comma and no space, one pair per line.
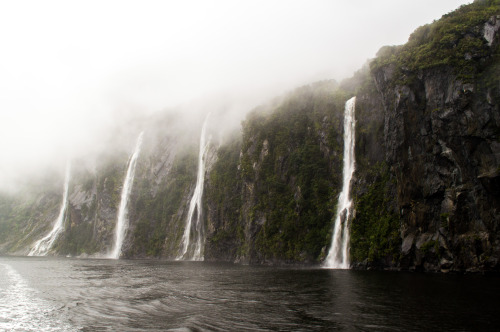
271,198
441,141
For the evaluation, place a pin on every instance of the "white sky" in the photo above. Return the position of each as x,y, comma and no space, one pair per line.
69,68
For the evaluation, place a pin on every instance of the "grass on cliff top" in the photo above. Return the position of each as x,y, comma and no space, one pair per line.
455,40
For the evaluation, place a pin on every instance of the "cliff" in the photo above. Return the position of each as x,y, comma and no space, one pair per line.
425,189
440,95
271,197
164,181
427,160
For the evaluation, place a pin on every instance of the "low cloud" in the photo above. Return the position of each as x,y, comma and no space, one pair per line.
70,72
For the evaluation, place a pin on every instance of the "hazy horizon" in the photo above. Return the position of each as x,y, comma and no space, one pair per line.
71,71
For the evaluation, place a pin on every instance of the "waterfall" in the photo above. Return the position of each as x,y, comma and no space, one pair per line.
122,220
338,255
42,246
197,228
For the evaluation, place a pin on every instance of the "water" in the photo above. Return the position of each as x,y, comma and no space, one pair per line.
192,251
42,246
65,294
338,255
122,220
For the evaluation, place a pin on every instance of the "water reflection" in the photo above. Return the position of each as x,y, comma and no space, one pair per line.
125,295
22,309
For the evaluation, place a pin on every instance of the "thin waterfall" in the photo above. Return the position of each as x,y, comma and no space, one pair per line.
196,227
338,255
122,219
42,246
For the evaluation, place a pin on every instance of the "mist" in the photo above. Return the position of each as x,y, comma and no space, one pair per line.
73,72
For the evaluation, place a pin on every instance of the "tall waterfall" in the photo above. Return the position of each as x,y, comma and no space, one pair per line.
338,256
42,246
196,227
122,220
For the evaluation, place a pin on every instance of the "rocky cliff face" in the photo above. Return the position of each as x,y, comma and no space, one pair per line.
441,138
92,206
427,169
425,189
271,197
441,141
164,181
25,215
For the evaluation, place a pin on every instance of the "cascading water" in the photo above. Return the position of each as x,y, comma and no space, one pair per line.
197,228
122,220
42,246
338,256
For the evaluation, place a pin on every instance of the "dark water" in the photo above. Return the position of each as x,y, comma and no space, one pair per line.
48,294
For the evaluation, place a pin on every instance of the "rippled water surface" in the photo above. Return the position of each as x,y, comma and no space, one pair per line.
53,294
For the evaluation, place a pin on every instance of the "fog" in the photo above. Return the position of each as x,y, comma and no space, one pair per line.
70,72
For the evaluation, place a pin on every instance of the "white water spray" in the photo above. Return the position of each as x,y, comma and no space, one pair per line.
122,219
42,246
197,228
338,256
23,309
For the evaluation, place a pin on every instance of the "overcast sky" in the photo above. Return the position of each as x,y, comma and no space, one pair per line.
68,69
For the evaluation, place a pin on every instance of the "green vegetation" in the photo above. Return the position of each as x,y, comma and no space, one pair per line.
87,230
445,220
15,214
431,245
27,215
12,217
296,180
375,228
456,40
223,194
157,216
78,238
110,180
271,194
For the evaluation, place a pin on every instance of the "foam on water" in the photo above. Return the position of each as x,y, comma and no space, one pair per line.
21,309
